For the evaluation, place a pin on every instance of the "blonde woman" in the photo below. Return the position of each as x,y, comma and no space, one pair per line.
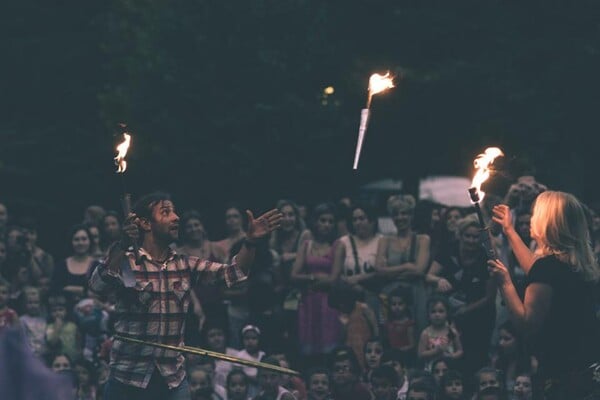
403,259
558,306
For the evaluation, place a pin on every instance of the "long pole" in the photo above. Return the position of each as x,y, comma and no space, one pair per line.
208,353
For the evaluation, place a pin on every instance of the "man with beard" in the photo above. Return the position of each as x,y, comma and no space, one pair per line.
153,287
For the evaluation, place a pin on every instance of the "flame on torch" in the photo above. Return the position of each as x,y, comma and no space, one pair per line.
122,152
379,83
482,163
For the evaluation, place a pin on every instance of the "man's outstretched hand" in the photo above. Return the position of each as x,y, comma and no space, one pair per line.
263,225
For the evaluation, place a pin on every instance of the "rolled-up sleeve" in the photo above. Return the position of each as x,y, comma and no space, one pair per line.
229,273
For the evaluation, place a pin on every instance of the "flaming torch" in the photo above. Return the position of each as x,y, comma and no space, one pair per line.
377,84
122,148
482,173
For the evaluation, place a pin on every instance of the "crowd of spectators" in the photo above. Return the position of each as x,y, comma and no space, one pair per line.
407,313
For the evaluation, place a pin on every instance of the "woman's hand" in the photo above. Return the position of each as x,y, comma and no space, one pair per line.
502,216
499,272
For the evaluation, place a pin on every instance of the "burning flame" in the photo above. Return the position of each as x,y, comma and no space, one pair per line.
482,163
122,152
379,83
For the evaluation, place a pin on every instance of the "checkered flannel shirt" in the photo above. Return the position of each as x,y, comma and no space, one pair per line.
155,310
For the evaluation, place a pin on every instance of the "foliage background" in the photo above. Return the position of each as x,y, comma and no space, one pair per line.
225,98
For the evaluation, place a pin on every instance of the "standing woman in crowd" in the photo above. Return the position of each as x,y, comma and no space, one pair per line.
319,329
287,240
234,228
461,273
206,299
558,308
356,255
110,230
403,259
71,273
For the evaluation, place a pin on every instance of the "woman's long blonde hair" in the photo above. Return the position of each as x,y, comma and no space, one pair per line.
559,226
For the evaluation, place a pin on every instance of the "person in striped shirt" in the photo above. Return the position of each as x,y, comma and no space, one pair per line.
153,286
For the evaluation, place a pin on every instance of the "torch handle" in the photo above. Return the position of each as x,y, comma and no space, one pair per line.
126,204
486,242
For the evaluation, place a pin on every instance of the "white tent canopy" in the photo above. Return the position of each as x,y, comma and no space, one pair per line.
446,190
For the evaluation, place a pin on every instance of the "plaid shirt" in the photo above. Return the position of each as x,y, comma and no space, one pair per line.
155,310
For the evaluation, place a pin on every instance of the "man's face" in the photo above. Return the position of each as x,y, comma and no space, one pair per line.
488,379
383,389
165,222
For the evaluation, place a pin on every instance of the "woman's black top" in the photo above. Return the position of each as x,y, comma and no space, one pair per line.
568,339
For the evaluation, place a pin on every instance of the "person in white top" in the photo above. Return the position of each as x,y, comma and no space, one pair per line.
357,254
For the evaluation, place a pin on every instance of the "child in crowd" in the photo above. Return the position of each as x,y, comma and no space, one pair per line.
8,316
237,385
373,352
384,383
294,384
319,384
34,325
439,338
400,326
201,385
345,376
60,362
488,377
62,335
357,318
512,357
491,393
86,376
439,367
215,340
452,386
251,351
206,364
395,359
270,383
420,391
523,388
92,321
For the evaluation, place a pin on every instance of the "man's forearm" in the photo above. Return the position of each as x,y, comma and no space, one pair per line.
245,257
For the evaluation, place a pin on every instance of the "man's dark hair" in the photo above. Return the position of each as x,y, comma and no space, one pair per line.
143,207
